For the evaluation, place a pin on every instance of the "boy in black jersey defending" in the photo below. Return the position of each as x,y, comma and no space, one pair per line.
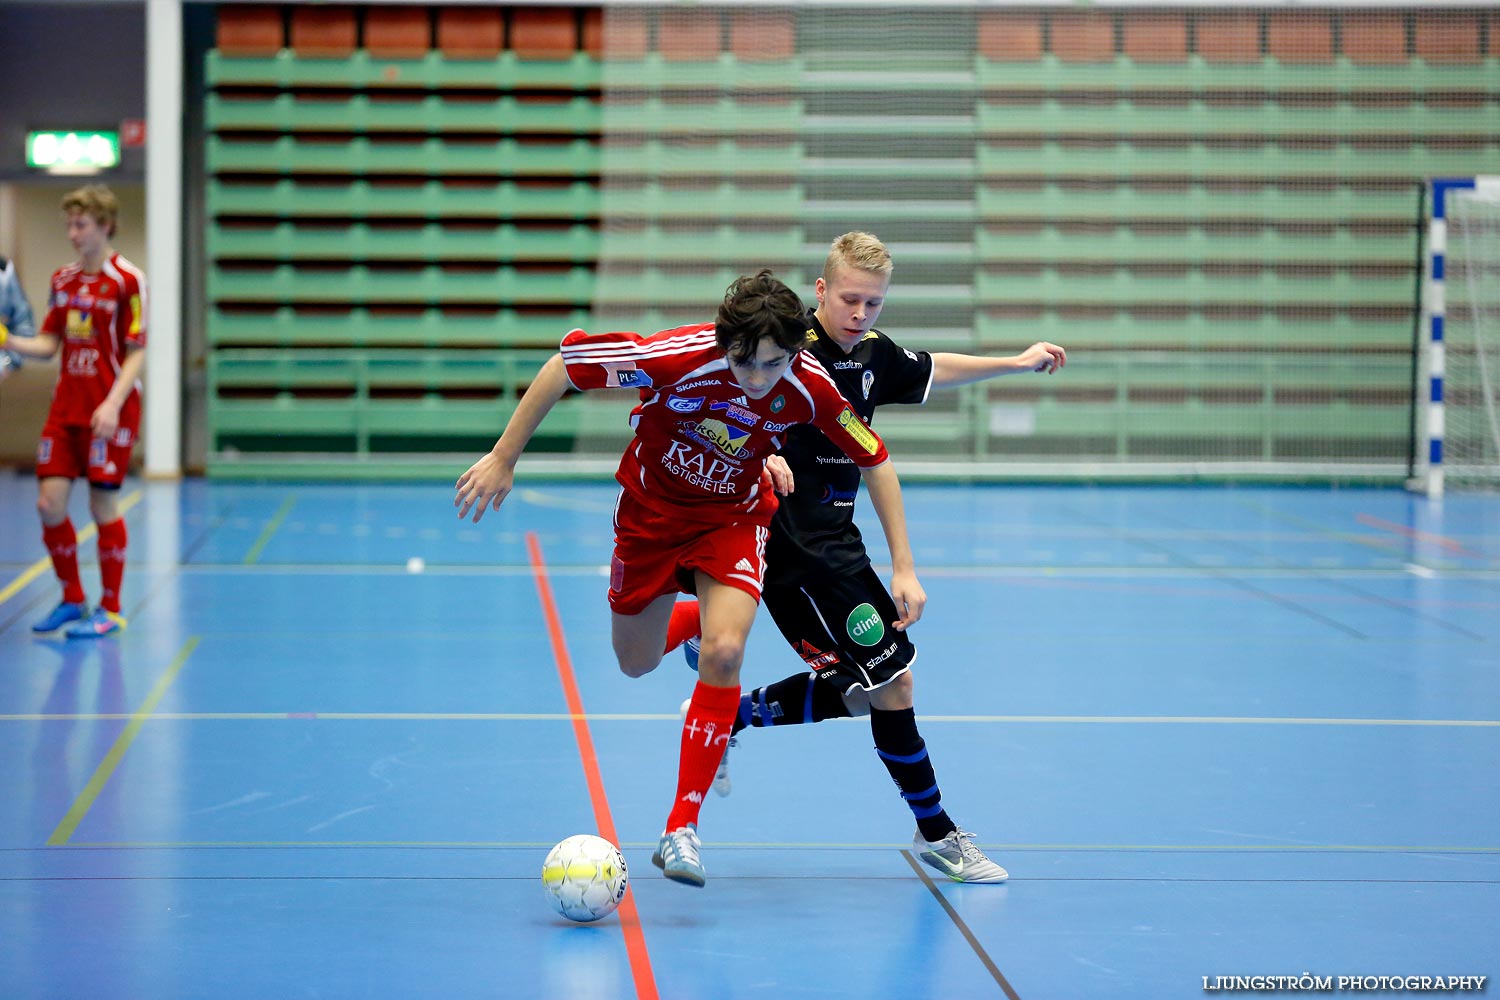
820,588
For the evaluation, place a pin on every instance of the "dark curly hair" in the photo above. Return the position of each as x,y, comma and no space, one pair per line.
756,307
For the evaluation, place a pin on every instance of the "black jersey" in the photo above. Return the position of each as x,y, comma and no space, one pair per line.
814,530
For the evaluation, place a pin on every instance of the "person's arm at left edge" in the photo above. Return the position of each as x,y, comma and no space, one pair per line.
15,311
18,336
885,496
950,370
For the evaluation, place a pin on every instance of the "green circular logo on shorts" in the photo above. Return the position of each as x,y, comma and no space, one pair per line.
864,625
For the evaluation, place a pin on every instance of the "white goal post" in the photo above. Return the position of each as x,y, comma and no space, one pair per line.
1461,357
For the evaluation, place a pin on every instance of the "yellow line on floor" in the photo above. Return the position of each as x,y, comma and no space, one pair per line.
116,753
41,566
253,555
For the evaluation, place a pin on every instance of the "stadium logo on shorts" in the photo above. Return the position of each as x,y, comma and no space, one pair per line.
864,625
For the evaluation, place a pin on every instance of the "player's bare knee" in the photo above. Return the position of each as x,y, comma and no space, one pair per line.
901,686
894,696
104,508
636,666
53,509
720,655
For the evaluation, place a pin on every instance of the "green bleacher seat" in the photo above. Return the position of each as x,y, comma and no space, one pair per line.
1190,331
430,285
355,242
697,289
723,244
727,201
505,243
1122,117
430,157
1269,75
286,326
1336,202
697,159
1052,244
433,114
1191,287
654,116
1199,160
286,198
878,211
433,71
652,72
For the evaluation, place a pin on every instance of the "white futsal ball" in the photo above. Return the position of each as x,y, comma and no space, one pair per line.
585,877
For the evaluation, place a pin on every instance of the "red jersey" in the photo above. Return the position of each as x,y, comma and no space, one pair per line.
700,443
97,316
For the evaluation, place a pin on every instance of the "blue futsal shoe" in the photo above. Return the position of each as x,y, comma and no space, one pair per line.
59,616
690,651
98,625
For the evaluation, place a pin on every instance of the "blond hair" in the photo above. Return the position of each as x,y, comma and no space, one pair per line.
860,251
96,201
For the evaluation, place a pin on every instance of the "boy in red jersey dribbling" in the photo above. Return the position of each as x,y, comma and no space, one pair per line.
96,315
696,499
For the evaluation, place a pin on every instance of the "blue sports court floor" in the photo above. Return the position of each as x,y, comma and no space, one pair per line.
1210,731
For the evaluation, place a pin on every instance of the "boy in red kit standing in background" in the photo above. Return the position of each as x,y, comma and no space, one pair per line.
96,315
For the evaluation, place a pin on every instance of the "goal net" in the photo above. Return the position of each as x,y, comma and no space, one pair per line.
1471,337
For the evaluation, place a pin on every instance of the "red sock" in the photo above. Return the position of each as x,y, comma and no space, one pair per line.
684,625
112,562
62,545
705,732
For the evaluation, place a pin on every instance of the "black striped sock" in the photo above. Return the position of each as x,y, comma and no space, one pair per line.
904,754
793,701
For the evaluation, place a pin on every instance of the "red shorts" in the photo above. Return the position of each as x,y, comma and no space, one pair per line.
656,554
70,452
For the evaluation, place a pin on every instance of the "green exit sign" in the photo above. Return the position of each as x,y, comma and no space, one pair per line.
72,152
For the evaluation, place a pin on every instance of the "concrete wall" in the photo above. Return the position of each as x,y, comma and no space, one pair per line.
70,65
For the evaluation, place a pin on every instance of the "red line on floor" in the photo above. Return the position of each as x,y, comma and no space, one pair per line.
635,939
1441,542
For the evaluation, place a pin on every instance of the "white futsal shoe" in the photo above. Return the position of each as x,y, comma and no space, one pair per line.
957,857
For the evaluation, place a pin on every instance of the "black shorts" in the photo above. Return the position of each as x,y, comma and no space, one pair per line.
841,626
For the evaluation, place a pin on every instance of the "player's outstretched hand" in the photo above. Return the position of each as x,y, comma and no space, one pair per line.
486,484
781,475
910,598
1044,357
